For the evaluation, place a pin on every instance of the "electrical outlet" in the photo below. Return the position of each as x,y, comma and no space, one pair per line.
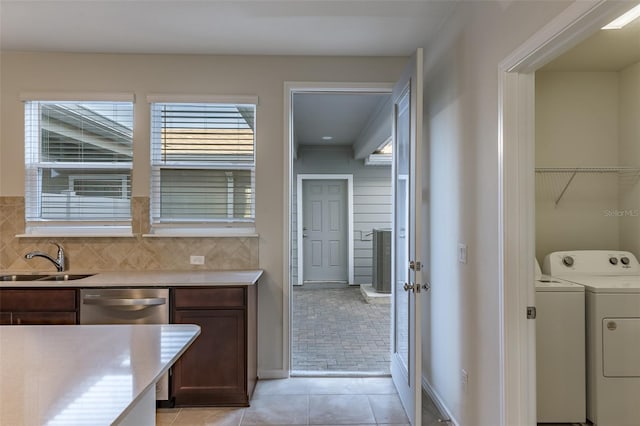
462,253
464,379
197,260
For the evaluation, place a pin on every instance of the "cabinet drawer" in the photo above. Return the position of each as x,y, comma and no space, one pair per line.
37,300
44,318
227,297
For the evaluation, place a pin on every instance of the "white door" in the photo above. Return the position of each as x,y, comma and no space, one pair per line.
406,355
324,232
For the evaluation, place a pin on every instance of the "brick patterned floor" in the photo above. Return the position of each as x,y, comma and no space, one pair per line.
335,330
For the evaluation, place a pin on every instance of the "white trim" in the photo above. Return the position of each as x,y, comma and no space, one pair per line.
78,96
290,88
203,98
577,22
299,212
516,196
272,374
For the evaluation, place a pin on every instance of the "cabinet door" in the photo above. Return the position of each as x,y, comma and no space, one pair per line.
44,318
213,370
5,318
38,300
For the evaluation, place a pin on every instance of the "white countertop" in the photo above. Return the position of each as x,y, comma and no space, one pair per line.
145,279
83,374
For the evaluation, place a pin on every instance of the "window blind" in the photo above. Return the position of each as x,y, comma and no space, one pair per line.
78,158
203,162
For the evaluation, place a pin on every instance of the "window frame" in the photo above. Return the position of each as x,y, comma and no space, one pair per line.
172,227
33,171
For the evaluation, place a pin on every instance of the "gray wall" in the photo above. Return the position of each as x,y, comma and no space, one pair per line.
371,200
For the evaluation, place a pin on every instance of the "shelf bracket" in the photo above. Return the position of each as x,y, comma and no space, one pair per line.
566,186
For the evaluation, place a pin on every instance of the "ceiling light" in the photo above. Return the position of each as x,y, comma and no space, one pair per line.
624,19
327,138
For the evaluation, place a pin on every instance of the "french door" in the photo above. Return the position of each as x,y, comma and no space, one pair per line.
406,359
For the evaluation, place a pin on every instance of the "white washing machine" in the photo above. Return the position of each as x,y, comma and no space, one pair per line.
612,284
560,350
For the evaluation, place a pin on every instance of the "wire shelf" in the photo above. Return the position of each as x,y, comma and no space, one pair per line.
622,171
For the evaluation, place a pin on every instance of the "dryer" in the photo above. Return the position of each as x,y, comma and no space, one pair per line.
612,293
560,352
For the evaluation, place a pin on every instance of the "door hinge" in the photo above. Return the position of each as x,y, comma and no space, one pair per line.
531,312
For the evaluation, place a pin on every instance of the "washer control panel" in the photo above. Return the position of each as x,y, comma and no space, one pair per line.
591,262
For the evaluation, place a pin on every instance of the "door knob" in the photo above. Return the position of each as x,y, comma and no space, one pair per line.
416,288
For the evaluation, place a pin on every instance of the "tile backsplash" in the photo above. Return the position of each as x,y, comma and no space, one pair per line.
120,254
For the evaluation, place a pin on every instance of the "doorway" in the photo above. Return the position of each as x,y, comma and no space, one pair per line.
517,192
339,192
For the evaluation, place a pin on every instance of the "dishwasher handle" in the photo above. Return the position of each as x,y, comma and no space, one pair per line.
123,302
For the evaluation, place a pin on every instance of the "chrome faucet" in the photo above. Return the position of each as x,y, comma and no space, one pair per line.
59,261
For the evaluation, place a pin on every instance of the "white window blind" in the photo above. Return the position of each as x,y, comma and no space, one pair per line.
78,158
203,163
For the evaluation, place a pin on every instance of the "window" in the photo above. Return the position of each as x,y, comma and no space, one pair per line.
202,165
78,158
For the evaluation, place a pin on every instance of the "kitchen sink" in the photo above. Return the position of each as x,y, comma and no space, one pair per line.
65,277
22,277
49,277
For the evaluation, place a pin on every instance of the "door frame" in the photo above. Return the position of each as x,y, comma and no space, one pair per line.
516,195
291,88
299,215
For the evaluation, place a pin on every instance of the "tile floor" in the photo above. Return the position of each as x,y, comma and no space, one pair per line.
335,330
309,401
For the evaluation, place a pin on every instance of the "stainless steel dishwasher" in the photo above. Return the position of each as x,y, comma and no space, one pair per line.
128,306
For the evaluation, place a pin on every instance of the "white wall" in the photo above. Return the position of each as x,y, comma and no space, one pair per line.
461,313
371,200
576,126
263,76
630,156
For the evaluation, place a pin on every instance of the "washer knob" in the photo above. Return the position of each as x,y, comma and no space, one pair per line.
613,260
567,261
625,260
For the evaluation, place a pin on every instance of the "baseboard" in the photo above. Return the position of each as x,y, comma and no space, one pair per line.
272,374
426,387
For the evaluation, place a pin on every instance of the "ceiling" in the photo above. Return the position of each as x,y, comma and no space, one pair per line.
606,50
341,116
241,27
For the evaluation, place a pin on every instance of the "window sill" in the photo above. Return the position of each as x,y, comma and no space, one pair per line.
77,235
78,232
202,233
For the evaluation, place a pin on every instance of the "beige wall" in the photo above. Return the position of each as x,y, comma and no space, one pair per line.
576,126
630,156
181,74
461,314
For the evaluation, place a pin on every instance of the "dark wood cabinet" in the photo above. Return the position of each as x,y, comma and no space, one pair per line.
35,306
220,367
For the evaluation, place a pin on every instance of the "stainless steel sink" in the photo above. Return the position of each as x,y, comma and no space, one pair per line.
40,277
65,277
22,277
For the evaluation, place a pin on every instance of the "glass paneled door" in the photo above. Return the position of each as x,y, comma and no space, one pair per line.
407,285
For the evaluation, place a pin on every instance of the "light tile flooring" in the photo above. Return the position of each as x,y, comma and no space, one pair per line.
309,401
